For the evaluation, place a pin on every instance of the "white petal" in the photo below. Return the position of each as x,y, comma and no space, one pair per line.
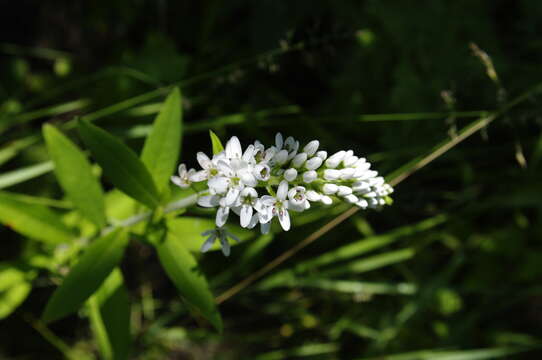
347,173
231,196
225,168
204,160
311,147
199,176
351,198
278,141
253,221
248,155
238,165
208,244
178,181
284,219
218,184
246,215
267,200
208,232
182,170
222,216
209,201
233,148
281,157
248,191
350,160
248,179
282,191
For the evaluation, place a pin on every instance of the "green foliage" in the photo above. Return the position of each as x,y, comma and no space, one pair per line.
161,150
182,269
120,164
216,143
109,313
97,262
32,220
75,176
15,285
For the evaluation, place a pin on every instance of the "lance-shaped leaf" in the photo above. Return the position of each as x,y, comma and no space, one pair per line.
32,220
110,317
74,174
215,141
120,164
161,150
182,269
96,263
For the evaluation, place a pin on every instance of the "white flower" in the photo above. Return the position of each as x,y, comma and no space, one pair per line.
298,199
330,189
247,201
233,148
278,206
183,180
334,160
262,172
219,233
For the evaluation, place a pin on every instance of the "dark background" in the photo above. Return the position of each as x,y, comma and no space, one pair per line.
322,64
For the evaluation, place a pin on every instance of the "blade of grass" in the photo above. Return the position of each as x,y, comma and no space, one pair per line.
26,173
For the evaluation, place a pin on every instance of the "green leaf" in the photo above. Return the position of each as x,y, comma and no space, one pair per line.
23,174
120,164
14,288
32,220
188,230
110,317
87,275
437,354
74,174
217,144
161,150
182,269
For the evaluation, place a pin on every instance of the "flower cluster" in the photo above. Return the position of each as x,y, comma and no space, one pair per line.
261,183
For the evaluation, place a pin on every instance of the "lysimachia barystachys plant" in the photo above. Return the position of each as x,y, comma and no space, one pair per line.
261,183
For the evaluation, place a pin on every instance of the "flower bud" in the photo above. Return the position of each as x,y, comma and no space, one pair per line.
311,147
313,163
347,173
281,157
350,161
330,189
290,174
344,190
309,176
299,160
326,200
351,198
313,195
334,160
332,174
362,204
322,154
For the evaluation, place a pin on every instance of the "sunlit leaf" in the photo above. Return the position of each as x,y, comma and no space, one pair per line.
32,220
120,164
182,269
161,150
215,141
14,288
110,317
74,174
96,263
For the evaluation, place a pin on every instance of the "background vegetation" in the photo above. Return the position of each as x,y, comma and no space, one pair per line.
451,271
